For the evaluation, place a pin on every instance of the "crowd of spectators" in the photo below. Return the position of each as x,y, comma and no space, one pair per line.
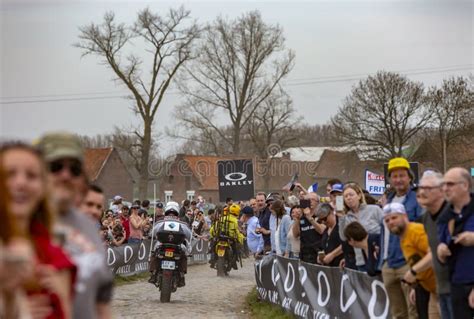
418,238
121,224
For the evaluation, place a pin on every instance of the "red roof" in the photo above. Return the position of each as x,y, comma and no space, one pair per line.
204,168
94,161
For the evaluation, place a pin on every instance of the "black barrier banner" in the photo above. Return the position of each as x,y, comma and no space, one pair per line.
131,259
235,179
199,252
312,291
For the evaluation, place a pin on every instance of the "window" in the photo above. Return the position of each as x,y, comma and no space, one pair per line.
168,196
190,195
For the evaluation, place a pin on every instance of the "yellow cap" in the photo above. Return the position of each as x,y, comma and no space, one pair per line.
398,162
234,209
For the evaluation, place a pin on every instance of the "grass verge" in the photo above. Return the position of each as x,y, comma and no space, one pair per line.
124,280
262,310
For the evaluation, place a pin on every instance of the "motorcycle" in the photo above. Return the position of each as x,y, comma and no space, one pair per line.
168,254
225,252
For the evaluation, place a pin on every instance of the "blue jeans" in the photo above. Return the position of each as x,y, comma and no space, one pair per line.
446,306
362,268
134,240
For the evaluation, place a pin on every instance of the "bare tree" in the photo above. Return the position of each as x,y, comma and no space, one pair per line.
271,129
241,63
97,141
168,41
315,135
209,142
202,141
453,111
273,124
127,144
381,115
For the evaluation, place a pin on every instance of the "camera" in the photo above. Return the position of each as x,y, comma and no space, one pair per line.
305,203
452,245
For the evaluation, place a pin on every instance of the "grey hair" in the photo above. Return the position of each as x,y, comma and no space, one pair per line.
437,176
324,210
308,196
293,200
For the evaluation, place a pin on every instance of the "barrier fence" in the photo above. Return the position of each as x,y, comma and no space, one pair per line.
131,259
313,291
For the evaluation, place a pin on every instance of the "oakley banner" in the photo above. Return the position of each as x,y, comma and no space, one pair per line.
312,291
235,179
131,259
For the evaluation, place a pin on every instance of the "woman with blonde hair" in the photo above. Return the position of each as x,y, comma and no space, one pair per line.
356,209
49,289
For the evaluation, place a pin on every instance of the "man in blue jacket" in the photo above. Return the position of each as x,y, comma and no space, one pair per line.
394,265
455,225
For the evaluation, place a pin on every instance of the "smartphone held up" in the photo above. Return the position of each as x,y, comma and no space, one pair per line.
339,203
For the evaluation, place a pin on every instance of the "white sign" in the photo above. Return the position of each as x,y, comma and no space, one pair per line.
171,226
374,183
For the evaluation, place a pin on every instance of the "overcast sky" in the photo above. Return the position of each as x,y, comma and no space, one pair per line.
335,42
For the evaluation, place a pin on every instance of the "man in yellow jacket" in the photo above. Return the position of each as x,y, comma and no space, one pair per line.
228,225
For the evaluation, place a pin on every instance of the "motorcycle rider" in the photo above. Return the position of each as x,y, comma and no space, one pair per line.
171,213
228,225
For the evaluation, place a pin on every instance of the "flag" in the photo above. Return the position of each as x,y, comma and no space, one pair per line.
313,188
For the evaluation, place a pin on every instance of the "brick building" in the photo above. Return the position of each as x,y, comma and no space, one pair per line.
190,175
105,168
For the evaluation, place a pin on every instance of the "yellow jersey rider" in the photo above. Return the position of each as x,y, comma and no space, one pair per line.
228,225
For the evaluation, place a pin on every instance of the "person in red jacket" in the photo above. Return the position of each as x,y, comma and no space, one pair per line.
125,218
50,289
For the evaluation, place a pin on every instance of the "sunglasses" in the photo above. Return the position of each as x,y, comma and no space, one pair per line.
74,167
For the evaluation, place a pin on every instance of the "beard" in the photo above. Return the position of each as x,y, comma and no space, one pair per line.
398,229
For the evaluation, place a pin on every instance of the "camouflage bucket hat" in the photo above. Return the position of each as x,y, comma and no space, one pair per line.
59,145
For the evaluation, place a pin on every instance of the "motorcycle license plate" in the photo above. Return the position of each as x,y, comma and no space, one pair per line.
221,251
168,264
168,254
